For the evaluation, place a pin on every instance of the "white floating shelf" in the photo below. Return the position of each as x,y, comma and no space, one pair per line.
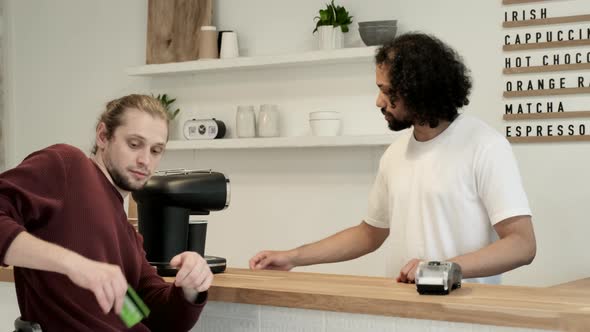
282,142
343,55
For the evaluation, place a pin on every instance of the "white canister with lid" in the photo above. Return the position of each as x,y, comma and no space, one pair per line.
268,121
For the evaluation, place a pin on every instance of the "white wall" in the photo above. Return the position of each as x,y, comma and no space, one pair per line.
8,306
70,56
68,61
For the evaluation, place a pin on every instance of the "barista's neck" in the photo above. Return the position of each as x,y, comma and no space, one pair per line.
97,159
424,133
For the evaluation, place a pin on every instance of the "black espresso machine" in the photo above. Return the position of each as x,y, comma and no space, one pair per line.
164,207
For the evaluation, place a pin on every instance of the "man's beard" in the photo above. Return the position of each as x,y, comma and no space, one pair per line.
121,181
395,124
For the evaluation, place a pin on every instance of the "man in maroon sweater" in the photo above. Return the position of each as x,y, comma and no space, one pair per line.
64,229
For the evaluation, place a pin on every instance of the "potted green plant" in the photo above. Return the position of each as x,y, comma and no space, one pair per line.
331,23
167,104
173,126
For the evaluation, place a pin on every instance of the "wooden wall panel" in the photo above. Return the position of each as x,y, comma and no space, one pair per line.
174,28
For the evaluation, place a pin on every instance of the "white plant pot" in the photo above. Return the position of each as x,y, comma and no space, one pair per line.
338,38
330,37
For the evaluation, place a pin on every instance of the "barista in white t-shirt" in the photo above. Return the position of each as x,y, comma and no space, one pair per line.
448,189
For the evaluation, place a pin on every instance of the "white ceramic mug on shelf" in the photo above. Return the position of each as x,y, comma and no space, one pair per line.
268,121
245,121
229,45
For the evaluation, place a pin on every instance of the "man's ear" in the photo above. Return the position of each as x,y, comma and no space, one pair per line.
101,135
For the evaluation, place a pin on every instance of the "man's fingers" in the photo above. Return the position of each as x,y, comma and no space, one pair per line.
200,279
105,281
109,292
176,260
402,277
412,273
263,262
119,296
186,266
252,263
405,273
411,276
408,272
189,281
181,276
406,269
202,274
118,305
206,284
257,260
196,276
189,263
122,286
101,299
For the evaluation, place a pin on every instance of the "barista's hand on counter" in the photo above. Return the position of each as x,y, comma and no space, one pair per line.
106,281
408,273
194,274
272,260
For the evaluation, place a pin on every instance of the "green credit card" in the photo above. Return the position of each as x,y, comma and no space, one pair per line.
134,310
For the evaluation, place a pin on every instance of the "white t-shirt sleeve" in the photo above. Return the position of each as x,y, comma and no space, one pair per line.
499,184
378,213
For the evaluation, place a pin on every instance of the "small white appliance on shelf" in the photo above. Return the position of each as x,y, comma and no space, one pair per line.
203,129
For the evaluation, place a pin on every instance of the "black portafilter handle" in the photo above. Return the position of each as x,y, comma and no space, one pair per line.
165,204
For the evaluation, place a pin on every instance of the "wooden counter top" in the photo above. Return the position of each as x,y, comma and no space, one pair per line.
544,308
563,307
582,285
6,274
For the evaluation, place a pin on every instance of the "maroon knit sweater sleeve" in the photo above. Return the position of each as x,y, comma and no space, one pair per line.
170,311
29,193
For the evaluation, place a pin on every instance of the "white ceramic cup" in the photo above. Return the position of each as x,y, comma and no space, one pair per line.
268,121
229,45
245,121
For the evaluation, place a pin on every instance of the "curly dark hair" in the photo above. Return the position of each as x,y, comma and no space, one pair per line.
427,75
